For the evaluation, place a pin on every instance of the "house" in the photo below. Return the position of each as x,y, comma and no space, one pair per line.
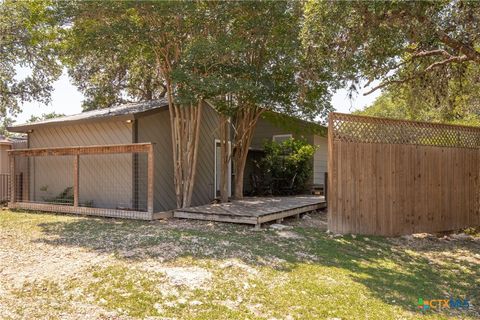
5,145
278,127
120,181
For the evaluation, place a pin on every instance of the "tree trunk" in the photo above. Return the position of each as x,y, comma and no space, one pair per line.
185,128
245,122
225,157
185,124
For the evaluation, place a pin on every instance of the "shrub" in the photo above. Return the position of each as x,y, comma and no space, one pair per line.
286,167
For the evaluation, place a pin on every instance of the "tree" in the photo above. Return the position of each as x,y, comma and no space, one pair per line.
246,57
137,47
45,116
27,43
105,56
256,64
420,44
4,124
405,102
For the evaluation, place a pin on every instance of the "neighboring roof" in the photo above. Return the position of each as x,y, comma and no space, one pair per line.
12,140
120,112
5,141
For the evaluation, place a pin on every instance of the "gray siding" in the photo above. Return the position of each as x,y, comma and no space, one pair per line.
156,128
204,189
4,163
106,181
320,160
265,130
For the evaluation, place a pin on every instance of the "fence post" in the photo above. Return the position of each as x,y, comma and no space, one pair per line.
13,196
76,179
330,176
150,180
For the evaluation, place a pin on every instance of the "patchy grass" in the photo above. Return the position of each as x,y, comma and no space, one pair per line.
64,267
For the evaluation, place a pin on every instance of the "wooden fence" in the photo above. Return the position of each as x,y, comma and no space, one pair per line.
392,177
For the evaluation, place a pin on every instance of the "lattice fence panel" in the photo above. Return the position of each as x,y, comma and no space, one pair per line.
351,128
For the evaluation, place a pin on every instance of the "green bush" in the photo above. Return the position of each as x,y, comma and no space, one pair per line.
286,167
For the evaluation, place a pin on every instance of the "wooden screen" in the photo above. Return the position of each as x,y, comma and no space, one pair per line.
392,177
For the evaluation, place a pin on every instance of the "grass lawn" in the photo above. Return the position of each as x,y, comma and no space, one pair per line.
65,267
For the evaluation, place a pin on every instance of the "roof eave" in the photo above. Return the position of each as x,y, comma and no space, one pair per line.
26,128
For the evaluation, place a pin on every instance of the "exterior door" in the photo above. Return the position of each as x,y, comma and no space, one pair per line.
218,169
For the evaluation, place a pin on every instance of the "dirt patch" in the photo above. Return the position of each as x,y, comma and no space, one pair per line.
191,277
315,219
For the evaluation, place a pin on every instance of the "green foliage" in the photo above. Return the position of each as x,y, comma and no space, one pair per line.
405,102
108,57
255,59
4,123
45,116
429,48
28,41
249,51
287,166
139,46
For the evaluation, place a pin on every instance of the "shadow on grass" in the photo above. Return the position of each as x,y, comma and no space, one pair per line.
396,272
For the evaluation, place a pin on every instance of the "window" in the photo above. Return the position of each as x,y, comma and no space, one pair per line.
279,138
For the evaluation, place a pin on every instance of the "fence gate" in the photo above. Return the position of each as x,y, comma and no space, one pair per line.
392,177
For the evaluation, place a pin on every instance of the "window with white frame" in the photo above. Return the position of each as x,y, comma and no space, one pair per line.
279,138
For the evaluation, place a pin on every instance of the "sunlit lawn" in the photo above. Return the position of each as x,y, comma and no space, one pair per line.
54,266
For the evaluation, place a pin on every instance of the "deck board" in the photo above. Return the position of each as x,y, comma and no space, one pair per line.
253,210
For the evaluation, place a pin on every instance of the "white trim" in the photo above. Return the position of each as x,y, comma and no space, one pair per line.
288,136
217,141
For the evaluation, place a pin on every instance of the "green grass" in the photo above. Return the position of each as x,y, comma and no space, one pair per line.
255,275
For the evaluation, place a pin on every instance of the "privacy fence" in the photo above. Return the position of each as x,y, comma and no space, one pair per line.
392,177
106,180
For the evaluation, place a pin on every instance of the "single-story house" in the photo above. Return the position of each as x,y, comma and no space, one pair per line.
5,145
119,180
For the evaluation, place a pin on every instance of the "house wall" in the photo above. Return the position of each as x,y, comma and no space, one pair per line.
105,180
320,159
156,128
4,163
265,130
204,189
4,172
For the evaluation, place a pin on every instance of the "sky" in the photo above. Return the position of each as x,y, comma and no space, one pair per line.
66,99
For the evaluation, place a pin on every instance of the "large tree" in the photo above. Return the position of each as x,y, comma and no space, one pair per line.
423,45
119,51
28,54
254,65
461,104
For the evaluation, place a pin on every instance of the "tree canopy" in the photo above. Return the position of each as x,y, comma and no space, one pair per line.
430,46
28,42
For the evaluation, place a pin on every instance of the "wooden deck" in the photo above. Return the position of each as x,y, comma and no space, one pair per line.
254,211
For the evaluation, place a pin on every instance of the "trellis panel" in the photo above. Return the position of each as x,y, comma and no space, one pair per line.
391,177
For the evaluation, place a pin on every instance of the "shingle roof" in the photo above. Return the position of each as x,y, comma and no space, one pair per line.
121,111
4,141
